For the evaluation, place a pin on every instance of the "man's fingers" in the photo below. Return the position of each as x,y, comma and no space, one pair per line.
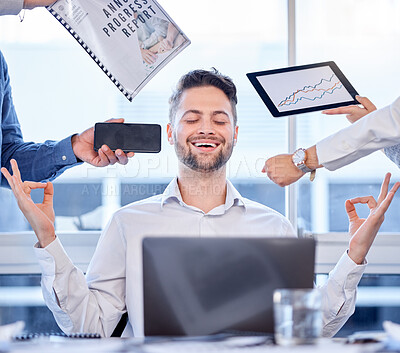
15,169
281,170
106,156
388,199
121,157
18,190
369,200
13,180
115,120
265,167
110,154
48,193
368,105
350,210
8,176
395,187
341,110
384,188
28,186
268,163
103,160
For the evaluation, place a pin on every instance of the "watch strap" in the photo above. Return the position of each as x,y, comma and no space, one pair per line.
302,166
312,175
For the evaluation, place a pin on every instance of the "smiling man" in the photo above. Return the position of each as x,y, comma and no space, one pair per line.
199,202
208,130
203,130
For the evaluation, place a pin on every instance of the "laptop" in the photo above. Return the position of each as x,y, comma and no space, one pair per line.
204,286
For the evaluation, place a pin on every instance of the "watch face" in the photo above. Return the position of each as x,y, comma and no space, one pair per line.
299,156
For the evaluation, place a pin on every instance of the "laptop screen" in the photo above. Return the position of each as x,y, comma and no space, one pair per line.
201,286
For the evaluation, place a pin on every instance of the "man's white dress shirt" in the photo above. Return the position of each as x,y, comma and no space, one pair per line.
379,129
113,282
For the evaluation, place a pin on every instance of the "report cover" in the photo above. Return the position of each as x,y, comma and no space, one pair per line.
130,40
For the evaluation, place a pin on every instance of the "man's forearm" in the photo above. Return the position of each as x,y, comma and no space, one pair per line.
31,4
40,161
377,130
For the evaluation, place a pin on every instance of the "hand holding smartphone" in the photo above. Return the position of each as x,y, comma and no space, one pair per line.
138,138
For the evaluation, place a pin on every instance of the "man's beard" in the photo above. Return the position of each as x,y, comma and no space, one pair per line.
195,162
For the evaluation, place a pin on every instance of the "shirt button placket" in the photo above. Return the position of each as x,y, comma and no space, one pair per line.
206,225
202,221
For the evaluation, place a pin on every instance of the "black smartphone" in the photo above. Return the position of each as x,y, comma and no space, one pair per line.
142,138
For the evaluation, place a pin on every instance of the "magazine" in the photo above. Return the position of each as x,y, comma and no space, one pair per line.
130,40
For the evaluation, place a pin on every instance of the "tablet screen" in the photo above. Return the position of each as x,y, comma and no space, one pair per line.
302,89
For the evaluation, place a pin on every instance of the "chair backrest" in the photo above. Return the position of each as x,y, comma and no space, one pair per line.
120,326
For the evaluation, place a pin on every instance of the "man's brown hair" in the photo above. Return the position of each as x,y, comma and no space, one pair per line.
202,78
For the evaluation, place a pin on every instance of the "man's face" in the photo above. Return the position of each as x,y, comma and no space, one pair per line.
203,131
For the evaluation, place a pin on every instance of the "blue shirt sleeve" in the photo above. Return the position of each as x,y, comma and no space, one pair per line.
36,161
11,7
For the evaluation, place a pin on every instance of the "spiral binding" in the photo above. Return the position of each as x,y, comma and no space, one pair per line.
89,51
30,336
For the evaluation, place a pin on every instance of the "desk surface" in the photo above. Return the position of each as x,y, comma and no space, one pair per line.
242,344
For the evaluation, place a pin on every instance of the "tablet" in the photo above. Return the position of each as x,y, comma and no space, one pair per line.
302,89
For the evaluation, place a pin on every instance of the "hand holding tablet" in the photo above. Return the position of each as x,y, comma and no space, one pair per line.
302,89
353,112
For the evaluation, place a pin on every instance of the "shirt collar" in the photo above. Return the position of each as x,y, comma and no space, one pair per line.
233,197
171,192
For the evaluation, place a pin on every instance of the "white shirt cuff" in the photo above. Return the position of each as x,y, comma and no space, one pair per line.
47,258
347,273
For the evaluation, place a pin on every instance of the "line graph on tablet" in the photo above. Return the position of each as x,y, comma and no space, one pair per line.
303,88
311,93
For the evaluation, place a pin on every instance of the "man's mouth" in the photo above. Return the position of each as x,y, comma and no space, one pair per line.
205,146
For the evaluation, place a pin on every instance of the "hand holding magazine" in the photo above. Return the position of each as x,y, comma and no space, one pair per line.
130,40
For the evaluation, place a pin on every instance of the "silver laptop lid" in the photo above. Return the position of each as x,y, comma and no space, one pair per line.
201,286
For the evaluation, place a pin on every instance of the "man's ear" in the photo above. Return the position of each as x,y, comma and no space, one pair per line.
235,135
169,134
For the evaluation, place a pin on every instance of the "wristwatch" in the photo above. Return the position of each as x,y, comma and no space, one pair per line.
299,160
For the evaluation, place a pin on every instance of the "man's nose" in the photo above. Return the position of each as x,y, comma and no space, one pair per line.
206,127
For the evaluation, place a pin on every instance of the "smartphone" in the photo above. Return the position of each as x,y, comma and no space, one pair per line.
141,138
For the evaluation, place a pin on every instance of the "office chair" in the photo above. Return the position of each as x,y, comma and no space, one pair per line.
120,326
